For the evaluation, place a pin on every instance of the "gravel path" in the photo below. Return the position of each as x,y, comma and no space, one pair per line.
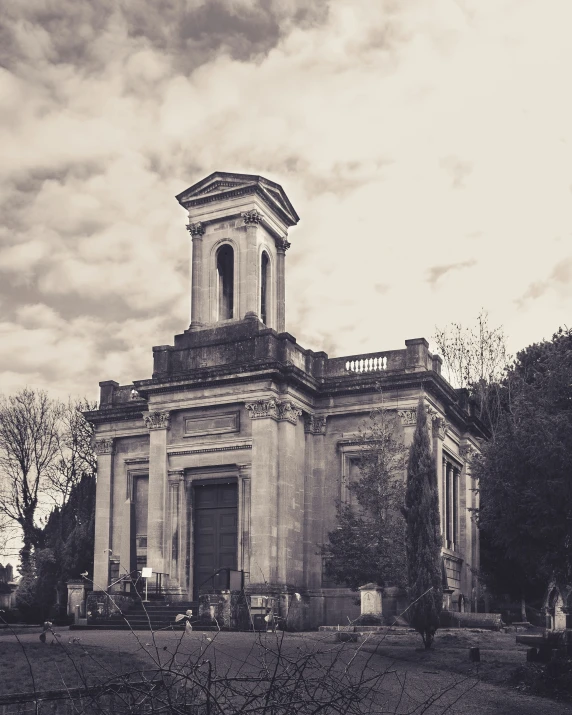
404,687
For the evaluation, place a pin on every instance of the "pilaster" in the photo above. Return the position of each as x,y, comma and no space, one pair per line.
282,246
244,507
250,286
290,497
158,423
197,293
314,499
438,456
104,449
264,484
174,534
127,561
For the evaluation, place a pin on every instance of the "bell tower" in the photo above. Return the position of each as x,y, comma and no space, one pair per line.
239,231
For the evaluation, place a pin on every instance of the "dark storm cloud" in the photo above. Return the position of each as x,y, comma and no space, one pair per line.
192,31
437,272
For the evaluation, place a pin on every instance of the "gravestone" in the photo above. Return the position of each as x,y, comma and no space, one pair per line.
371,602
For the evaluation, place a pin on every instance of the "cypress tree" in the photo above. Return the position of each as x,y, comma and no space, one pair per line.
423,542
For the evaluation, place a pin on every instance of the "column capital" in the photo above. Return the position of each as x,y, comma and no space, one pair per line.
315,424
466,451
157,420
288,411
282,244
442,425
196,229
252,217
408,417
176,475
278,410
262,409
104,446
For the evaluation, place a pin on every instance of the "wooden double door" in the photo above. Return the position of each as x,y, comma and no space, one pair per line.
215,519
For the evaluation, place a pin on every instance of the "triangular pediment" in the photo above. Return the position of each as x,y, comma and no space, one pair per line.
224,185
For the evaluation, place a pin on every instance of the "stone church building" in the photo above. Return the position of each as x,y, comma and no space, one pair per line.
232,455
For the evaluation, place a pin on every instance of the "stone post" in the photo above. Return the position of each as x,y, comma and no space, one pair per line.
158,423
250,283
77,589
104,449
264,478
282,246
197,269
417,354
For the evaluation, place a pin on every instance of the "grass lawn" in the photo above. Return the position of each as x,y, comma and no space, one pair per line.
503,660
59,665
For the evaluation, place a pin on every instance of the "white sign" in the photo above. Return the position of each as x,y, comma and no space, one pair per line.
147,572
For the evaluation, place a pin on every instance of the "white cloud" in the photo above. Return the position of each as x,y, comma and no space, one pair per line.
397,129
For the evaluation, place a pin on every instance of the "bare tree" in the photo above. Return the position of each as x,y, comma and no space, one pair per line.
476,359
9,538
75,450
29,447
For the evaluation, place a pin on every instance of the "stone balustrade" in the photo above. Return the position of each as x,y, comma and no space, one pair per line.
368,364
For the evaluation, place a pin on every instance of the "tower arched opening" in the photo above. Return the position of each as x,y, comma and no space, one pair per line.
264,287
225,287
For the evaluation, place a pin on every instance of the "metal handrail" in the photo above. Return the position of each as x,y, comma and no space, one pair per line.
215,573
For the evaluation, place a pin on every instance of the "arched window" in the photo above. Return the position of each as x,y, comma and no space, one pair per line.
264,287
225,288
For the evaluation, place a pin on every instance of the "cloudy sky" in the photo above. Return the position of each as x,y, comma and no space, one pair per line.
426,145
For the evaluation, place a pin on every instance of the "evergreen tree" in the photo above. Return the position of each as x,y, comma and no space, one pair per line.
67,539
523,472
423,542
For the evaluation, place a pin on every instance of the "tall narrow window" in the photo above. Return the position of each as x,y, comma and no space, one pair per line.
448,535
225,271
264,270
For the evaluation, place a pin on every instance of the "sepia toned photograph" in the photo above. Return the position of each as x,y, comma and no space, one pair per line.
285,357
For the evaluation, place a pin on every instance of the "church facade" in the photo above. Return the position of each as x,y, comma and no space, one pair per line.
232,456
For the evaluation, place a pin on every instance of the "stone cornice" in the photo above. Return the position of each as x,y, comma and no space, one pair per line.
317,389
115,413
205,450
280,205
157,420
136,460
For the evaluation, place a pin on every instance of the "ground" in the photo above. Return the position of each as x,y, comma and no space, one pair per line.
393,671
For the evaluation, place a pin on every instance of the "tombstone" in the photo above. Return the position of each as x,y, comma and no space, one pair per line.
371,603
77,589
